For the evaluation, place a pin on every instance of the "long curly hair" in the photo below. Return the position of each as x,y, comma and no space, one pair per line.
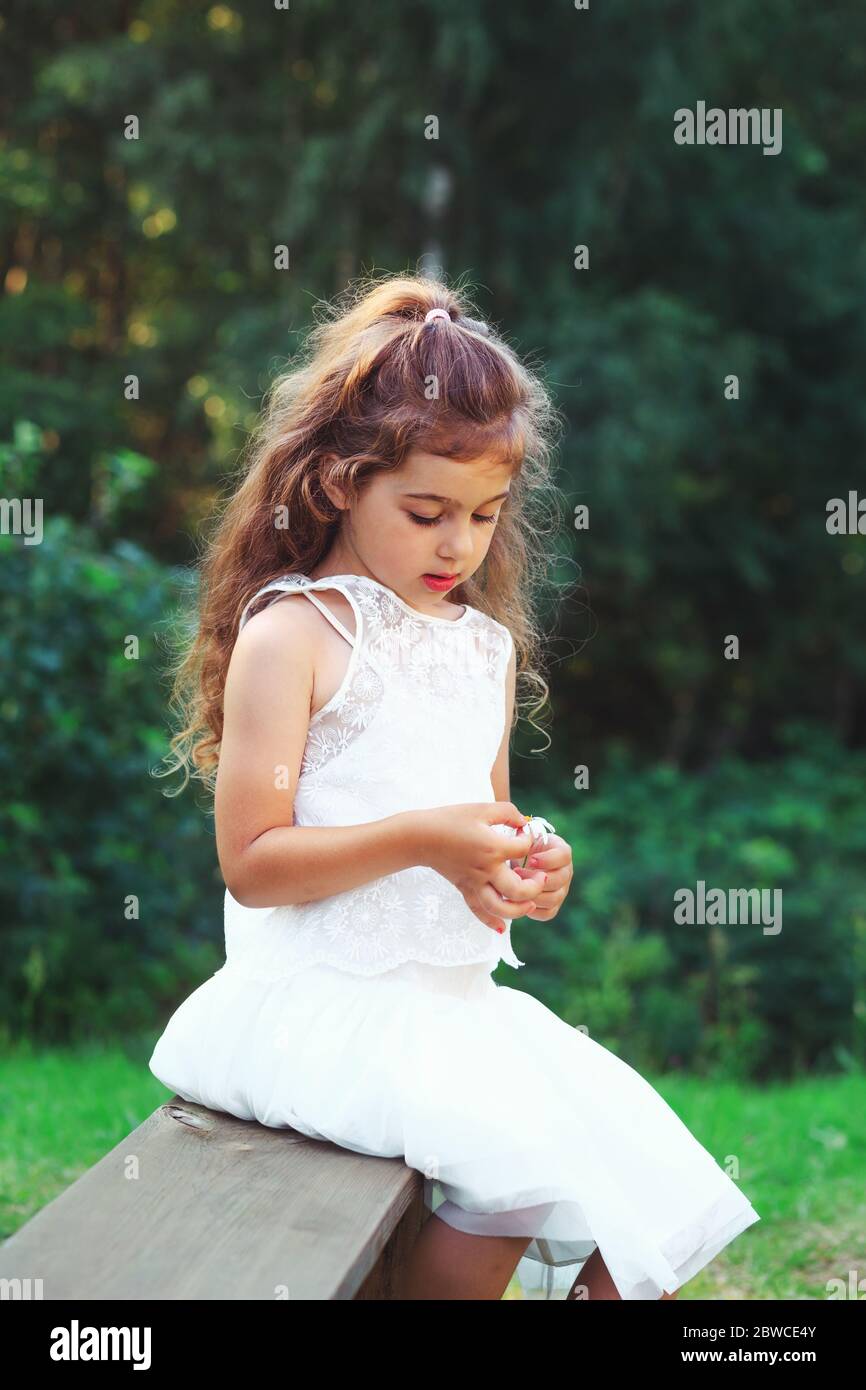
353,404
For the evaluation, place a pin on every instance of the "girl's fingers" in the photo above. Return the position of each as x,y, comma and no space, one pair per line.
550,880
496,924
500,906
539,913
516,846
518,884
556,853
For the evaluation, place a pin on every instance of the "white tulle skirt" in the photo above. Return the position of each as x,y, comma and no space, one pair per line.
520,1124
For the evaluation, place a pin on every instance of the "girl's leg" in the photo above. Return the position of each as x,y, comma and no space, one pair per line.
595,1278
447,1263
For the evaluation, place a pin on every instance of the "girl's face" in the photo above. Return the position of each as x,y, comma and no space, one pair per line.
433,517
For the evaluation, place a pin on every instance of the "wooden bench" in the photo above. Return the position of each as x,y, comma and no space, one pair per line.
195,1204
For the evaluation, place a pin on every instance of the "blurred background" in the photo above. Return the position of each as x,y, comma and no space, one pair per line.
152,157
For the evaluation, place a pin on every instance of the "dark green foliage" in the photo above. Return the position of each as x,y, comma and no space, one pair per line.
84,826
728,998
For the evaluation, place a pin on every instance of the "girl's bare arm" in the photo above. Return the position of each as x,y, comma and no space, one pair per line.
300,863
267,861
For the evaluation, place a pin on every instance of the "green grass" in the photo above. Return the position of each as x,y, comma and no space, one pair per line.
801,1150
803,1164
63,1109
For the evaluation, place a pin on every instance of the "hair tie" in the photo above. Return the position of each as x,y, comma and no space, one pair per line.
437,313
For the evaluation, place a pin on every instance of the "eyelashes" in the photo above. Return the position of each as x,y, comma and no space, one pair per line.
433,520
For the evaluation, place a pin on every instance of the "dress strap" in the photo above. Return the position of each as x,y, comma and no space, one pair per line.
301,584
332,618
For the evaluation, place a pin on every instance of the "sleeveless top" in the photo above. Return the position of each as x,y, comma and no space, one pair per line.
416,722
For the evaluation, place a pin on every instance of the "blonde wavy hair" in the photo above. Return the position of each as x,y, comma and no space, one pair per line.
352,405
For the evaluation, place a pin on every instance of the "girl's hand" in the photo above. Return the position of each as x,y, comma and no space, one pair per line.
462,843
555,860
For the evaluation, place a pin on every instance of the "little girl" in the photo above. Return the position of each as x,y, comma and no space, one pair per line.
359,737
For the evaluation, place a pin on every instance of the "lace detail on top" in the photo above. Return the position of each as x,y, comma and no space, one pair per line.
416,722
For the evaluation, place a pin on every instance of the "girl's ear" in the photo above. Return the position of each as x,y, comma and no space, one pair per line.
334,494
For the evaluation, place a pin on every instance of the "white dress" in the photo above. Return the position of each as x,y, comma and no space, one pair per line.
371,1018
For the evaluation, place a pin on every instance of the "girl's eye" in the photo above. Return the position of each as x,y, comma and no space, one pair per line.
432,520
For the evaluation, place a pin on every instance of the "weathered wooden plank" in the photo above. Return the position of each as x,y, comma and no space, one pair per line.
195,1204
385,1280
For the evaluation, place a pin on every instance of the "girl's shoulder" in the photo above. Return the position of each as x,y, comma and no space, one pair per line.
266,593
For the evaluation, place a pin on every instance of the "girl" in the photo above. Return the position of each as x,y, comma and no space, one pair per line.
359,736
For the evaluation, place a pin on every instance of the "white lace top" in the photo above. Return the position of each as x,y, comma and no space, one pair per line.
416,723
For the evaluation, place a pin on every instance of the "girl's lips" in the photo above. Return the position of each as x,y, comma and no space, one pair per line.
438,582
